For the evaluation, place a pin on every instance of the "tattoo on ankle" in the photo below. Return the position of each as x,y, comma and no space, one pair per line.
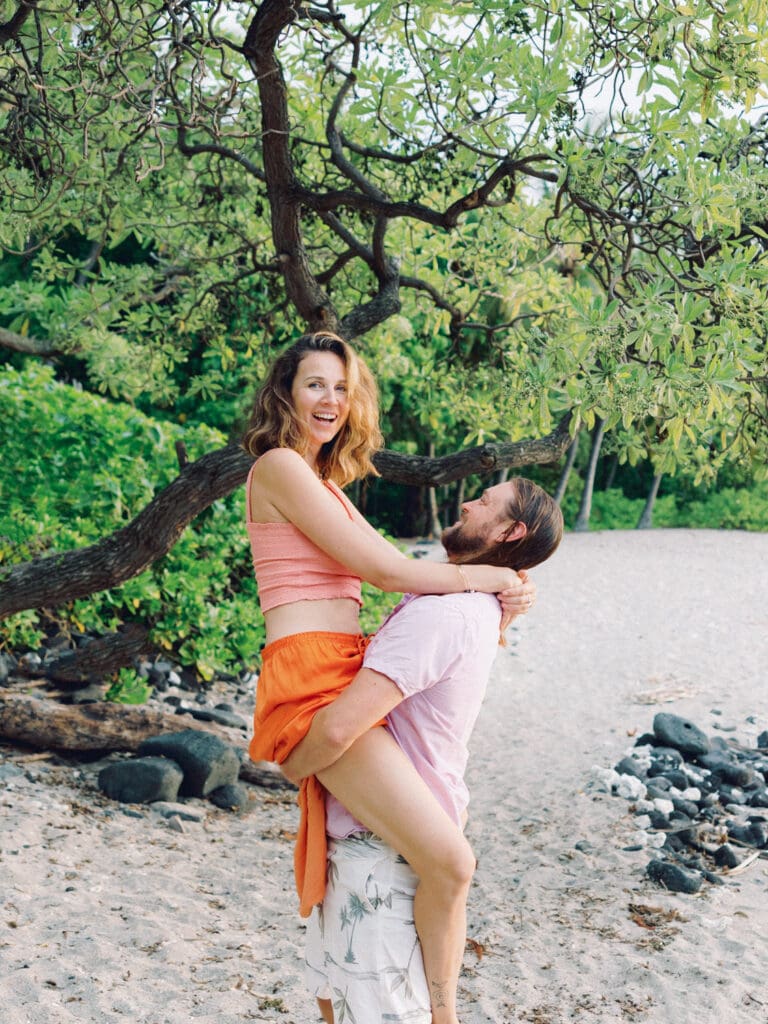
439,993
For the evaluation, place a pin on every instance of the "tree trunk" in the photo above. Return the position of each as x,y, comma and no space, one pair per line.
610,476
458,499
562,483
98,727
104,727
435,529
483,460
585,508
270,21
645,522
11,29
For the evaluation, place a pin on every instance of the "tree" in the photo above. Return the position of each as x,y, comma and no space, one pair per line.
570,459
364,166
646,516
585,506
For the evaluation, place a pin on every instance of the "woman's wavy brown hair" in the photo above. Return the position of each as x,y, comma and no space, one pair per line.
273,422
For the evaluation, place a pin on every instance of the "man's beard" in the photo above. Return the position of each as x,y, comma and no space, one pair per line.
459,542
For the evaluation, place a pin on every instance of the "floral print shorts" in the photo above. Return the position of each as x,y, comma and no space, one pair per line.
362,949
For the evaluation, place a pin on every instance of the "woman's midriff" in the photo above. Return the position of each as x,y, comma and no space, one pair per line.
334,615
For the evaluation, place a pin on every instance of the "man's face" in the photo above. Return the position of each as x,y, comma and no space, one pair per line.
483,522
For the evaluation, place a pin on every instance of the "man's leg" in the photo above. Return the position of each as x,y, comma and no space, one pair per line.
377,783
326,1010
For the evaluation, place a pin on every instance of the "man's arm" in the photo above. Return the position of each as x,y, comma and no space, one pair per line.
369,698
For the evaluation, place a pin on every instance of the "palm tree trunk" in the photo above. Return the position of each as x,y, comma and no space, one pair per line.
585,508
645,522
562,483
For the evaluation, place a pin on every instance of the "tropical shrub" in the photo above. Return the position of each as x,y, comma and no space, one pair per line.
732,508
78,466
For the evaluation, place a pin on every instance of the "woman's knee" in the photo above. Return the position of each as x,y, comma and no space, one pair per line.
451,864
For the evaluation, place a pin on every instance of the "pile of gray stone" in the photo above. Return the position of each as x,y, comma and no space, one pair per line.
173,770
190,763
700,802
171,683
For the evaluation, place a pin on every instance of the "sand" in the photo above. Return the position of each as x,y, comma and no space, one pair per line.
111,915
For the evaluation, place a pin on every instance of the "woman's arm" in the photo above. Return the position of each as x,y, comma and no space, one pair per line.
286,483
515,600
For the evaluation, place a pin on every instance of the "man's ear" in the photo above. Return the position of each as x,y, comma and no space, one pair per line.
516,531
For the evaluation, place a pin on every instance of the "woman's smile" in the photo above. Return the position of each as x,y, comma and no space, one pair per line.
319,396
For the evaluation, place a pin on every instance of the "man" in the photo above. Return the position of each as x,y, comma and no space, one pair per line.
426,670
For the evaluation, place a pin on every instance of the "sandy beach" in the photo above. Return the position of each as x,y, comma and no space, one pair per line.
109,914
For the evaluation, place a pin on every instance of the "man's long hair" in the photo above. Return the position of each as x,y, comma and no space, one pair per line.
529,504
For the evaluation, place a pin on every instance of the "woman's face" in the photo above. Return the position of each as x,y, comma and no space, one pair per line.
319,394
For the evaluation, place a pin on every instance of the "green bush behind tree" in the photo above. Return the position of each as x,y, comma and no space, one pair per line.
733,508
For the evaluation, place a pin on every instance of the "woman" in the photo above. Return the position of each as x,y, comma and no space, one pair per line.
313,429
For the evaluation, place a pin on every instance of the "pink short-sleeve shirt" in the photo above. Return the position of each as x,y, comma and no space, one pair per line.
438,651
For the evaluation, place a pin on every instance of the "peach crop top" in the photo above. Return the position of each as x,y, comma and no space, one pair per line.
290,567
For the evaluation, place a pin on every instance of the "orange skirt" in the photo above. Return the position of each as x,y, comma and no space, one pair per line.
299,675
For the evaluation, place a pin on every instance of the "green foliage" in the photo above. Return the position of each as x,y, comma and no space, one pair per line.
618,269
555,259
20,632
80,462
128,688
729,509
79,466
376,607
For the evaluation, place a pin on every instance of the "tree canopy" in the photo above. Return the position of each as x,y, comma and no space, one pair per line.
529,216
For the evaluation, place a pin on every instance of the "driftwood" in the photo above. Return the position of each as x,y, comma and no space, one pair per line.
103,727
98,727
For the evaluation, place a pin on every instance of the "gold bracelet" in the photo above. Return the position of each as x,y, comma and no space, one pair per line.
464,580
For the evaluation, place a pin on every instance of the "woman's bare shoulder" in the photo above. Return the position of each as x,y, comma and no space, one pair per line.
279,460
280,478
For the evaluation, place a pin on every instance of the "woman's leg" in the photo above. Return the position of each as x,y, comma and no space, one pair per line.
378,784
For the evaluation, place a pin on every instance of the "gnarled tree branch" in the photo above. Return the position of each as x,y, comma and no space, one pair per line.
25,343
69,575
311,301
10,29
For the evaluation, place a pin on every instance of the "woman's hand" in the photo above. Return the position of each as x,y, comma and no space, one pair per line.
488,579
517,600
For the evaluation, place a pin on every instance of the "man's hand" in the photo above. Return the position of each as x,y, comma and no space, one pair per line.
517,600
